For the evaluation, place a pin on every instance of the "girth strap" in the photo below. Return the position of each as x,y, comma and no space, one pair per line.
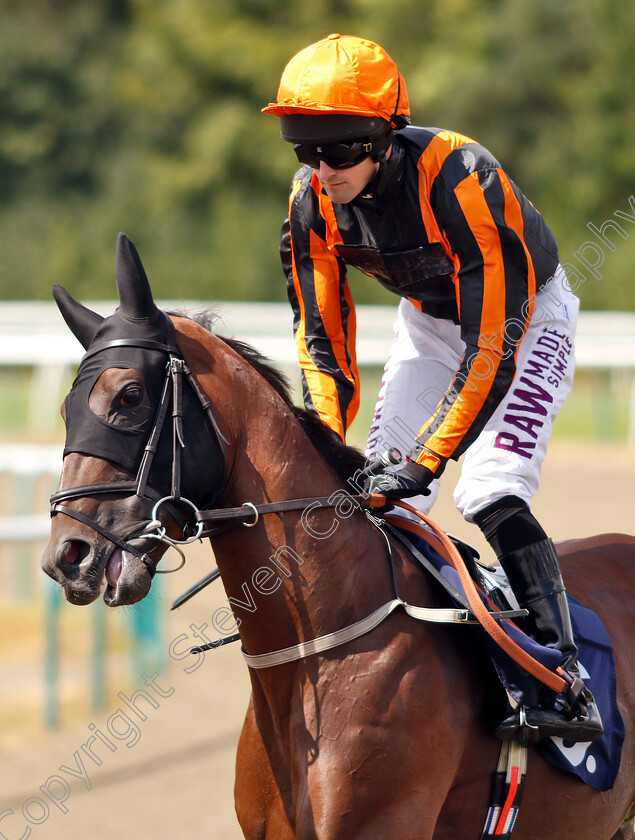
329,641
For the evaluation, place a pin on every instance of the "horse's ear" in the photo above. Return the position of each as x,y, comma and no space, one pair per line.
81,321
135,295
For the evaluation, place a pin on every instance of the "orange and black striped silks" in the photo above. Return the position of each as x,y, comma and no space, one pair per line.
443,226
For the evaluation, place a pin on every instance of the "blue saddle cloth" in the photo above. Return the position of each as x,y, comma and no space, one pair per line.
597,762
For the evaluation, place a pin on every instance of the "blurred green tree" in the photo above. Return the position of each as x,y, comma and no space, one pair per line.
144,116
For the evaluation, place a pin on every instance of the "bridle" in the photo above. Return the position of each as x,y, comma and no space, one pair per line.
197,523
176,370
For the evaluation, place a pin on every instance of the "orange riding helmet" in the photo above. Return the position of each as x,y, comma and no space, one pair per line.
352,85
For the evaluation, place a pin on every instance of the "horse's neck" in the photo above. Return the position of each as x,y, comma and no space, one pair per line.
295,575
299,574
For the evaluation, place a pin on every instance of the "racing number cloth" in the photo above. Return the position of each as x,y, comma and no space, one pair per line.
443,226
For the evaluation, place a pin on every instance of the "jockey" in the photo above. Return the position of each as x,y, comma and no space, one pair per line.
482,358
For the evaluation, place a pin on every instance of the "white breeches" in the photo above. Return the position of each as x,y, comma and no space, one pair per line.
506,458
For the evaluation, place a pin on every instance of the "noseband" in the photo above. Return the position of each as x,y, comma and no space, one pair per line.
191,528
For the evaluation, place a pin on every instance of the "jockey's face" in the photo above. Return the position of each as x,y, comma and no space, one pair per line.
343,185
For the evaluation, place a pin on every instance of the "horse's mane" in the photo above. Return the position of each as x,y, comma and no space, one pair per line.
345,460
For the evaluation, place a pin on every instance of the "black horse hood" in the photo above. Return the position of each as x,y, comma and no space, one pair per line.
137,336
123,440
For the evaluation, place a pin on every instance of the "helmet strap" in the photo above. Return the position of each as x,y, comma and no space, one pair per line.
398,121
379,155
388,174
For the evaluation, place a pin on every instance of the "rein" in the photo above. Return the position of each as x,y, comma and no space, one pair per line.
444,615
560,681
475,612
242,514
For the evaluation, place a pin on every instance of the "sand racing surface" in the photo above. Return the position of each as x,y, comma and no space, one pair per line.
171,775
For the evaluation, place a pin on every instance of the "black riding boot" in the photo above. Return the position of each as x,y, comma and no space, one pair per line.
535,578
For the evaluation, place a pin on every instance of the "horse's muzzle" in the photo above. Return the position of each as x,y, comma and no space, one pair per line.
84,568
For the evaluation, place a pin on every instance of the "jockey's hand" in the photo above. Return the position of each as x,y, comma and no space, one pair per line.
411,480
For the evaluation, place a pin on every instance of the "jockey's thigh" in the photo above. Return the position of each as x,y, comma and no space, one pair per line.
424,356
507,457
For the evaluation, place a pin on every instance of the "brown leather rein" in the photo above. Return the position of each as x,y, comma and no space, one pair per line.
557,681
439,541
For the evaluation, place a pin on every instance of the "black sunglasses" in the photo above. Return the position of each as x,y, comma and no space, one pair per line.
336,155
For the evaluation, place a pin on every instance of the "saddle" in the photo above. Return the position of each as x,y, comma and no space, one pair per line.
596,763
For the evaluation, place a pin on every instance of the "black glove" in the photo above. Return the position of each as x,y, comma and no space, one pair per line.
411,480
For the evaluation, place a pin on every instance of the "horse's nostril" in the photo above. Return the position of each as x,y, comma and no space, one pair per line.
74,551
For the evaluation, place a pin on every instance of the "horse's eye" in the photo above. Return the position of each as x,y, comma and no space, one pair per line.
132,395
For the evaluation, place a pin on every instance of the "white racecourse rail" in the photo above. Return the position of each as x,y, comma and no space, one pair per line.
34,336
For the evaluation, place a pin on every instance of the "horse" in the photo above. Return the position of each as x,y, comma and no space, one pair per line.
388,735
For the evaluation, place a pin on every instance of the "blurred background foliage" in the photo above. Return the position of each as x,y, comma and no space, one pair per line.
144,116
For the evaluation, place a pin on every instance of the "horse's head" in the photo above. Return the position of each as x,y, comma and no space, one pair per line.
136,433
